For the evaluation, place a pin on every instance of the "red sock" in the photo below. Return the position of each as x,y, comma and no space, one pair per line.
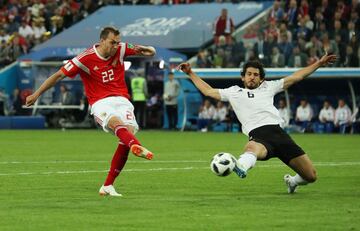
118,161
125,136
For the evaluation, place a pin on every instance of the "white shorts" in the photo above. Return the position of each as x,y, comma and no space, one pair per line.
118,106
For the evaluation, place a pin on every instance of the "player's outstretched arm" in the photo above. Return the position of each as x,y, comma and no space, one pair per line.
205,88
145,50
48,83
305,72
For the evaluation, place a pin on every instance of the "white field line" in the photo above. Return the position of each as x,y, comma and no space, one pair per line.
100,161
259,163
326,164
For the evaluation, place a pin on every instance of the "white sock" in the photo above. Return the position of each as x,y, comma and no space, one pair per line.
247,160
298,180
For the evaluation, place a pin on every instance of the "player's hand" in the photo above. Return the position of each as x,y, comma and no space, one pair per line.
185,67
31,99
145,51
327,59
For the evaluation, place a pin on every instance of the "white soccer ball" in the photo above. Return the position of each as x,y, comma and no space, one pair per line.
223,164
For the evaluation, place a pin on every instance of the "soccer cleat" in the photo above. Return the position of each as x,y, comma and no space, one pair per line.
108,190
140,151
291,186
239,170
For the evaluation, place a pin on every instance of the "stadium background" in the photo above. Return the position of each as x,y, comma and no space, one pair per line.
42,177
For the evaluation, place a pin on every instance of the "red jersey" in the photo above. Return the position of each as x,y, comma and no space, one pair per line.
101,77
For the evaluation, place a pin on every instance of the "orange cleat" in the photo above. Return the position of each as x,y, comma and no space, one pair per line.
140,151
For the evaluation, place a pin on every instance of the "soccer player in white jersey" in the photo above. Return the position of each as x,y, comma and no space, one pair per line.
253,106
101,68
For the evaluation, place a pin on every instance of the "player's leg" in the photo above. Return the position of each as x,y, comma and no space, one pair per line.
253,151
126,135
305,170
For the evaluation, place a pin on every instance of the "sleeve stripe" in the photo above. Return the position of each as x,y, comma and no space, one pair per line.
81,66
122,53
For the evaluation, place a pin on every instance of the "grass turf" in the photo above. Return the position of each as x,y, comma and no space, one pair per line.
49,181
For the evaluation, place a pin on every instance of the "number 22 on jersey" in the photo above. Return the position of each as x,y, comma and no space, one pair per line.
108,75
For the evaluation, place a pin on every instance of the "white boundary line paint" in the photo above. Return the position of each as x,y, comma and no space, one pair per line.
100,161
325,164
164,161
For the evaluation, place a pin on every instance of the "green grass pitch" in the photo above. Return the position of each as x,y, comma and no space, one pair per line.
49,180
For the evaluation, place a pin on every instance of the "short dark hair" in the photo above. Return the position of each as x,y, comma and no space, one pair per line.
254,64
107,30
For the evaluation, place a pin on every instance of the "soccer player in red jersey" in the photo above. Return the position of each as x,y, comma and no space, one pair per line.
102,72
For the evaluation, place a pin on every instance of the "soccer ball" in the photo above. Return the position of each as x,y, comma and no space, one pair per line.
223,164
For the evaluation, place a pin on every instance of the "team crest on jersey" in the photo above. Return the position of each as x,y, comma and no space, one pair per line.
96,68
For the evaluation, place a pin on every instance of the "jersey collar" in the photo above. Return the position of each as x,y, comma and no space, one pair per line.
97,53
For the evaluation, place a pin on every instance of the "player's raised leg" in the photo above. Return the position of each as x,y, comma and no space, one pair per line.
125,134
253,151
305,170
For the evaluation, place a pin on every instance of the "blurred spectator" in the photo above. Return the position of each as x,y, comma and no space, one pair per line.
354,17
284,114
277,59
292,14
298,58
354,43
321,31
57,24
342,116
39,29
238,52
303,9
283,30
312,57
272,30
201,59
3,35
327,11
302,31
351,32
327,116
220,112
206,113
87,8
3,100
351,58
5,50
65,97
262,49
341,46
343,9
309,23
329,45
26,31
223,25
355,118
338,30
171,93
154,109
276,13
35,8
318,20
315,44
304,114
16,103
219,57
12,25
285,47
139,93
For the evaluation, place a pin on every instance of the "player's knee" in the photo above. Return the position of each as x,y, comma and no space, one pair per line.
311,176
251,146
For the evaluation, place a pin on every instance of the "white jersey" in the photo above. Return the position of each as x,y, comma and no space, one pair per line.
254,107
